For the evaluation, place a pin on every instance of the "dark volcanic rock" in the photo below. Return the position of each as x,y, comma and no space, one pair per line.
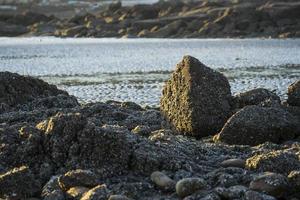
294,94
16,89
254,97
255,125
196,100
18,183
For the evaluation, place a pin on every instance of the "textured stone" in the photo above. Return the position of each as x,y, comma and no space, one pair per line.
99,192
254,97
196,100
233,163
163,181
188,186
18,183
16,89
274,161
294,94
78,177
254,125
270,183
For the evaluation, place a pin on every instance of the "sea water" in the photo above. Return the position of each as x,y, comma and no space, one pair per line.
136,69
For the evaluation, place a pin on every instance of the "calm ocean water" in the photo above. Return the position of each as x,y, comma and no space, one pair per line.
135,69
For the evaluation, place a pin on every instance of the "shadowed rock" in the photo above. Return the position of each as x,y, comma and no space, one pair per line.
254,125
196,100
254,97
274,161
294,94
18,183
16,89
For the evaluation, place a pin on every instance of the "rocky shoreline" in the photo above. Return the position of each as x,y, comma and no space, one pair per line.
203,143
166,19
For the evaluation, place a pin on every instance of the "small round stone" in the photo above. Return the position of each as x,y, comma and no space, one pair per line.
188,186
163,181
239,163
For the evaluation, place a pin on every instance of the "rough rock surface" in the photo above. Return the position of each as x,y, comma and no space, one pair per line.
274,161
18,183
96,151
254,97
294,94
196,100
16,89
254,125
270,183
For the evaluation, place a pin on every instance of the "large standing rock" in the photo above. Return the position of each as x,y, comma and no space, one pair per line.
294,94
255,125
196,100
16,89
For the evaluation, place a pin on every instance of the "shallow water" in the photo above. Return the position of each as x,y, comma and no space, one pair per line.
135,69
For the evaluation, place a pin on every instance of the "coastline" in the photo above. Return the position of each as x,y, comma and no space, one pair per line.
178,19
55,148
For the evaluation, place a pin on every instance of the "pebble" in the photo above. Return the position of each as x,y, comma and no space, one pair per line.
188,186
239,163
118,197
163,181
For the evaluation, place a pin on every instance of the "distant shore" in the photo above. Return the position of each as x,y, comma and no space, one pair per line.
165,19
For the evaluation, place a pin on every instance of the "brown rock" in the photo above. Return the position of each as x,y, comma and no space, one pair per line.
196,100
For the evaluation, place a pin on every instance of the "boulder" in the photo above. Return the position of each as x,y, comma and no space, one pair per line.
270,183
74,142
294,94
274,161
254,97
196,100
16,89
18,183
254,125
